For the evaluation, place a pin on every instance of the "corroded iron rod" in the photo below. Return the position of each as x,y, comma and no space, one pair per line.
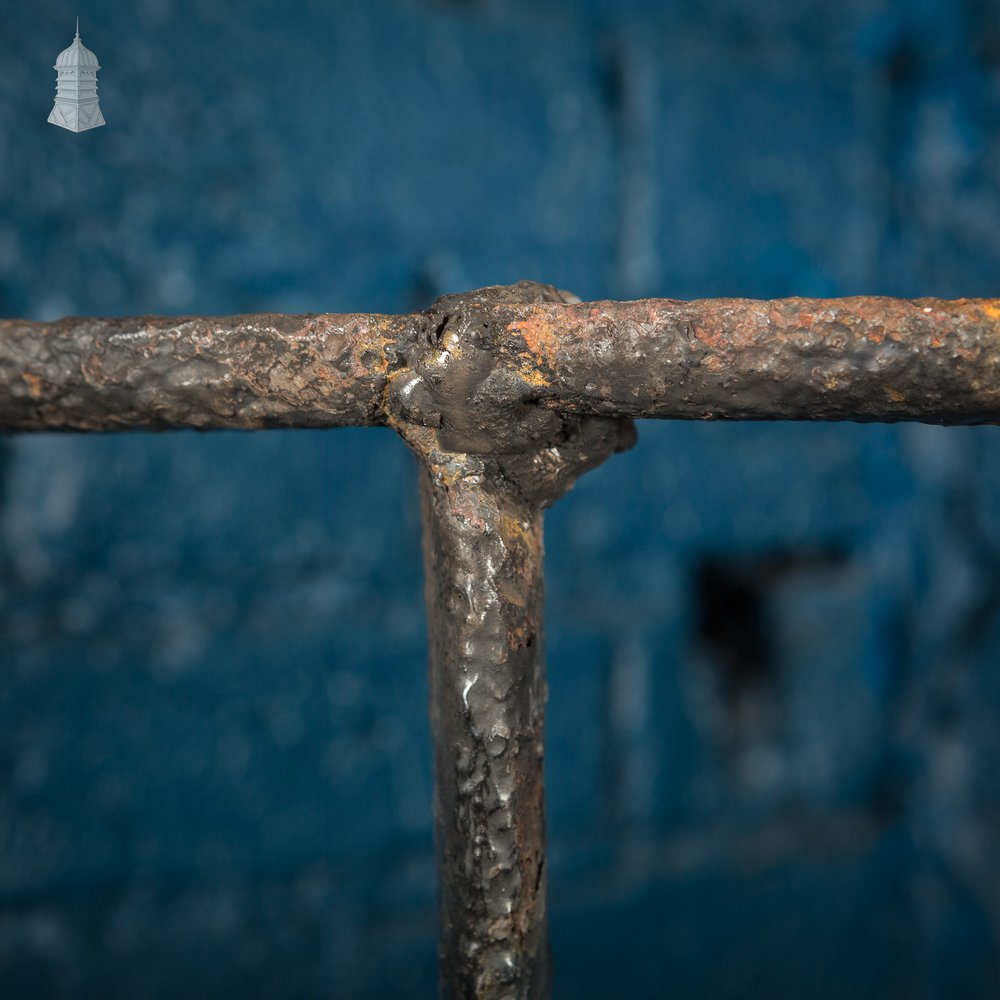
491,463
863,359
793,359
156,372
487,672
506,395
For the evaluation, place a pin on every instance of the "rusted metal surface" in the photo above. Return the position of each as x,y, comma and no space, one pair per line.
800,359
484,484
865,359
487,712
156,372
506,395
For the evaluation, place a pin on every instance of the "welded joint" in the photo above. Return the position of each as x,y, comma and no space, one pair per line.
458,402
493,457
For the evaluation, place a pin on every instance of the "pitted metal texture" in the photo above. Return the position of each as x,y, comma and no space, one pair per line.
506,395
493,459
459,395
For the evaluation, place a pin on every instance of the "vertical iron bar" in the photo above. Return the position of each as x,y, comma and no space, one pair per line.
484,591
507,395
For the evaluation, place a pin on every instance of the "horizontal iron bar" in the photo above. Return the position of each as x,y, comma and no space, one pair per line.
864,359
203,372
867,359
506,395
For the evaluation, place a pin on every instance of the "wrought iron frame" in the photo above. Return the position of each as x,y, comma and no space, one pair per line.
506,395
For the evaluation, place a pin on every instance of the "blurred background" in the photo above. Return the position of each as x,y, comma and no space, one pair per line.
774,724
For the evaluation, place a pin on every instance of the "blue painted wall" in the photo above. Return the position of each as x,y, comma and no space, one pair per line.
774,736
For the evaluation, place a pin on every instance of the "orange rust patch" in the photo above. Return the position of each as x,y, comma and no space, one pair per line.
533,377
712,339
542,343
513,531
512,593
521,636
729,338
93,367
468,513
538,334
34,384
367,340
895,395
